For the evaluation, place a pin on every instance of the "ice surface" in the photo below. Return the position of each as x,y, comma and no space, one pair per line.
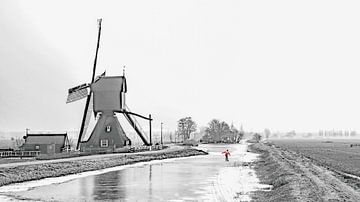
208,178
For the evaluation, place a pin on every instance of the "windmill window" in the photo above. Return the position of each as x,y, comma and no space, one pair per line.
108,129
104,143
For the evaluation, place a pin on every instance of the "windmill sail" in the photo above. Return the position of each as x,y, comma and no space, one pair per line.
77,93
89,96
90,121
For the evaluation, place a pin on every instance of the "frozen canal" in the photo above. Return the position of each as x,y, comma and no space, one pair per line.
199,178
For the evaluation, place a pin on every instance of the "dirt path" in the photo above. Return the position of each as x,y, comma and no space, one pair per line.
296,178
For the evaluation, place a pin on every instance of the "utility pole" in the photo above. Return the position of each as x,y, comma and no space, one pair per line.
161,136
150,129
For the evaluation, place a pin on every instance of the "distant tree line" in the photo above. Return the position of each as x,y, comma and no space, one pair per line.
340,133
215,132
219,131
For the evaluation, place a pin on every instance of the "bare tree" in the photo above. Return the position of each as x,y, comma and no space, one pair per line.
72,143
257,137
170,135
18,142
218,130
267,133
212,131
186,126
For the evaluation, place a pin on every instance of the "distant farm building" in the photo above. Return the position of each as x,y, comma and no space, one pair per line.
46,143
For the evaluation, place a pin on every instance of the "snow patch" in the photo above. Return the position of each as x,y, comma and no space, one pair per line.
234,183
240,180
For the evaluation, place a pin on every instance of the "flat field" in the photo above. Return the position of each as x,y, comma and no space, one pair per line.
336,155
308,170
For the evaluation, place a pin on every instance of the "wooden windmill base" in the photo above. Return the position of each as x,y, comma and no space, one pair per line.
107,135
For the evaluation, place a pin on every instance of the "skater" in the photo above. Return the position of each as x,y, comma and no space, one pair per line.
227,154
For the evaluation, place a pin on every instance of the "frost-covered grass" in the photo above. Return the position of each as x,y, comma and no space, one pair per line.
272,172
15,160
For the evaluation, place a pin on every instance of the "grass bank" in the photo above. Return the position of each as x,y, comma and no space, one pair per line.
290,176
22,173
271,172
297,178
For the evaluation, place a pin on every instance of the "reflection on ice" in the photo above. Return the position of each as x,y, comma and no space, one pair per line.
24,186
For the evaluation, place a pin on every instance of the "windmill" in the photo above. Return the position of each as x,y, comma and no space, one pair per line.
105,96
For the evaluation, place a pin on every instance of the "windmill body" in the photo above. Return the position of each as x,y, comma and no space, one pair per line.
105,99
109,94
108,98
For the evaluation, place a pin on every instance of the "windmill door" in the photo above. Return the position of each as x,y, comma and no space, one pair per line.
51,149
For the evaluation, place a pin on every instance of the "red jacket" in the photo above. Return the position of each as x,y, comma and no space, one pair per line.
227,153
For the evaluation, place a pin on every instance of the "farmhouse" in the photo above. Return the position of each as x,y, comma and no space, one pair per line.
46,143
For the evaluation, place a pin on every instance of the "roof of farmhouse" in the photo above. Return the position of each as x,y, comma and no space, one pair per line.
46,138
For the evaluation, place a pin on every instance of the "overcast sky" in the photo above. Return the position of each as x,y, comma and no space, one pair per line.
283,65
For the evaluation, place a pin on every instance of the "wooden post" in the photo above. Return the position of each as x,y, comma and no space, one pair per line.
161,135
150,130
